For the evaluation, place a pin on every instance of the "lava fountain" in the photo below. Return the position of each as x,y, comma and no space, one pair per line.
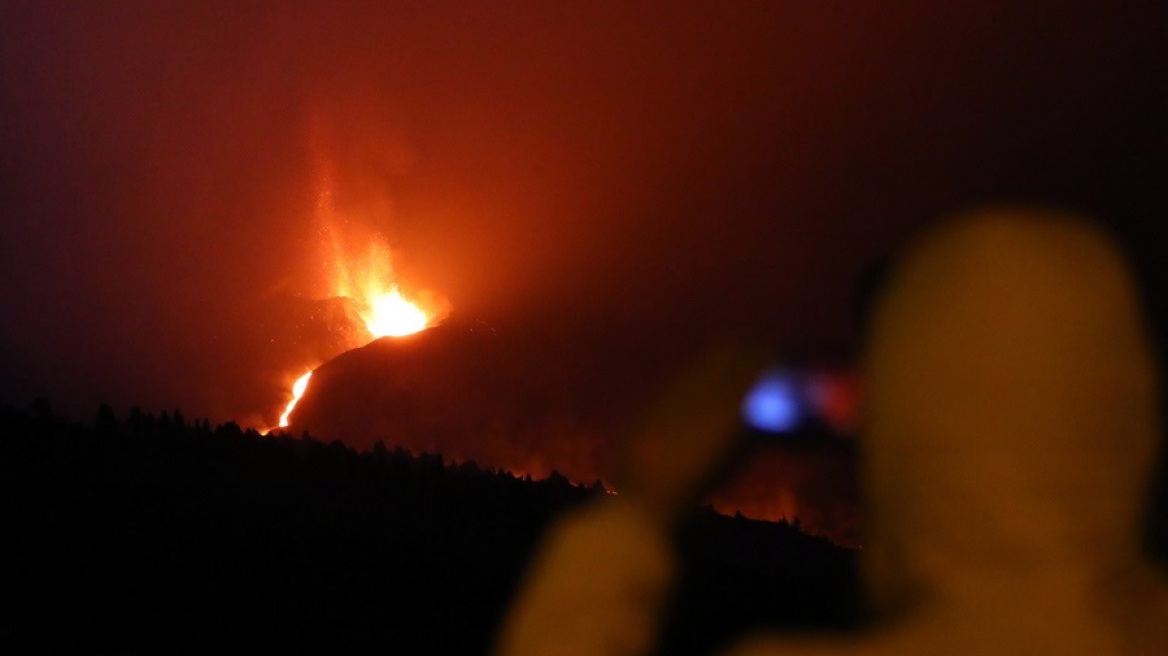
380,306
361,269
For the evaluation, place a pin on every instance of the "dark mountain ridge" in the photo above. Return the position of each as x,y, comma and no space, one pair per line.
159,534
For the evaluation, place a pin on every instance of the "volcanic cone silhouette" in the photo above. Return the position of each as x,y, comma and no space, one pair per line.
453,389
1011,419
411,391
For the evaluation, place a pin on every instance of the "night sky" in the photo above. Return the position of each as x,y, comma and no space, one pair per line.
617,182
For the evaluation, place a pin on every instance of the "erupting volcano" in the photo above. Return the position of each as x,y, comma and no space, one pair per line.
361,270
374,367
393,375
380,308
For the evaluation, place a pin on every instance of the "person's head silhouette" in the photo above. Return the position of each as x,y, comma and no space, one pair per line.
1011,418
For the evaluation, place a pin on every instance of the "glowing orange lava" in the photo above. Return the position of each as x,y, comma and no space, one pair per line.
391,314
298,388
384,310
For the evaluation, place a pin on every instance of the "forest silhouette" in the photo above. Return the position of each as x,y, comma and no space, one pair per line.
154,533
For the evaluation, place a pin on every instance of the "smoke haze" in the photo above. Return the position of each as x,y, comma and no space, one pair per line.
605,178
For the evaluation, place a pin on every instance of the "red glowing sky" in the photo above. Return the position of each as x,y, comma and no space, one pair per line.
610,178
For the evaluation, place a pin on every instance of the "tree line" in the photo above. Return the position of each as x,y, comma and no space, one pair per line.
159,533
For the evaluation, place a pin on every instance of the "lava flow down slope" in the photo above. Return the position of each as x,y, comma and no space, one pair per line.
451,389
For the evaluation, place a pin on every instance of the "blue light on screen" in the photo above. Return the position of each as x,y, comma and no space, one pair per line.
772,405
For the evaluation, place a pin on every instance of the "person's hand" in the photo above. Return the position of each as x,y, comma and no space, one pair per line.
598,585
600,581
690,435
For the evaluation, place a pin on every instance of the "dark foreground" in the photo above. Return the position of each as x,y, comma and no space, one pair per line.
158,535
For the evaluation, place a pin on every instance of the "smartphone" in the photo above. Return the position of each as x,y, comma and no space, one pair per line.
802,403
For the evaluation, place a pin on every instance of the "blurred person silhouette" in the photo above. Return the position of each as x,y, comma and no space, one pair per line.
1011,418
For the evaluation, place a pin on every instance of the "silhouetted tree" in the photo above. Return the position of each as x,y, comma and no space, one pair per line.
41,409
222,533
106,421
229,429
136,421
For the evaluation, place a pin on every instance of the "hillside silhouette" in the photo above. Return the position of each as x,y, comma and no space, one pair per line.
470,392
159,534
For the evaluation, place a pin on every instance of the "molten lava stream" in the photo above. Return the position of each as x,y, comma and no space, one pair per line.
298,388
